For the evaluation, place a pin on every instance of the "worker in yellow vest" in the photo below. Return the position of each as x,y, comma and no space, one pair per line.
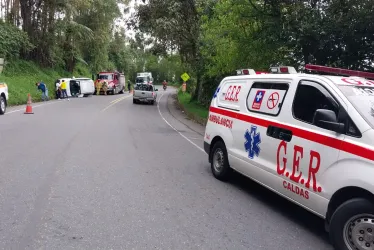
64,93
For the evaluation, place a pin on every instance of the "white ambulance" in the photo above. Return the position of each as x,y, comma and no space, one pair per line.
309,138
3,97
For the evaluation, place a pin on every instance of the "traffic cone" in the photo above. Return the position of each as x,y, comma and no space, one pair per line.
28,106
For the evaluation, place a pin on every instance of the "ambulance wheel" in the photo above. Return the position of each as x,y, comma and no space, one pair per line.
220,162
352,225
2,105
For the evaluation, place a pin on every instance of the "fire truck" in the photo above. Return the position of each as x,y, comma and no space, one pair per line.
114,80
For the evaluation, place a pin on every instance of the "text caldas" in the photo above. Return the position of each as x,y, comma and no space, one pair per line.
296,175
221,121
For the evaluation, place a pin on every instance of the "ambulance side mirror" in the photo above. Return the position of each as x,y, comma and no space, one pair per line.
327,119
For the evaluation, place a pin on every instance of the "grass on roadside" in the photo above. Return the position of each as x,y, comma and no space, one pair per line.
192,106
21,76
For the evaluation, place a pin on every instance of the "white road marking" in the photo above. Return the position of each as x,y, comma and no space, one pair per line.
18,110
159,111
199,139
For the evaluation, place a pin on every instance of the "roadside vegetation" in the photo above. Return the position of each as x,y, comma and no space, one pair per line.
192,106
45,40
215,38
21,77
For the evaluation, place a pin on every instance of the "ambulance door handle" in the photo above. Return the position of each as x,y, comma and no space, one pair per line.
285,135
279,133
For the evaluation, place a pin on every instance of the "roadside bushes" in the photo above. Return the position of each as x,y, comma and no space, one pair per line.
13,41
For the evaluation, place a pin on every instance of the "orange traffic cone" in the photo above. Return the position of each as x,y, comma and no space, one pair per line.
28,106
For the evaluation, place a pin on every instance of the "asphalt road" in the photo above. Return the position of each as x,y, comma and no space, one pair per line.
103,173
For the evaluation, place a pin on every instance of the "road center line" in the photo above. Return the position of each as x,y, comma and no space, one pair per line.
119,99
159,111
115,102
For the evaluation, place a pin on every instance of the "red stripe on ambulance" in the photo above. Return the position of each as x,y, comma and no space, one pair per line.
308,135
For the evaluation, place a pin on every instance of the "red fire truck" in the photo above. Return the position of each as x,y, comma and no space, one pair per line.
115,81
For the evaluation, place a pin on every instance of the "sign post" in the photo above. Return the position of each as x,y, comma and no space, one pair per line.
185,77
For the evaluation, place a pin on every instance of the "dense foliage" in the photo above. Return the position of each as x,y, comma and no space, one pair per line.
214,38
209,39
68,34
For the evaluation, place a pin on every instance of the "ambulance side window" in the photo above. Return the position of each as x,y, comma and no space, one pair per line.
309,97
352,129
267,97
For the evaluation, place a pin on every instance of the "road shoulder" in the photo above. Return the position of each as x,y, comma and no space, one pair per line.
181,116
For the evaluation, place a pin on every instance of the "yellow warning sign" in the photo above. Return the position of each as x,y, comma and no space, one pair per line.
185,77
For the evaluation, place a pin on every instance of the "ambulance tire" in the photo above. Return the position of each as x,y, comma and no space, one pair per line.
220,162
2,105
352,214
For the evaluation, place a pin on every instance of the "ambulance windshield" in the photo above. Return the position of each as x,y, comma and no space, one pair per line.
362,98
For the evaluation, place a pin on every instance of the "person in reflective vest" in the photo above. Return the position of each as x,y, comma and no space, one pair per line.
98,87
105,87
64,92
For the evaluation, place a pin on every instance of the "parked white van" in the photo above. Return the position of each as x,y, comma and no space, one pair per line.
309,138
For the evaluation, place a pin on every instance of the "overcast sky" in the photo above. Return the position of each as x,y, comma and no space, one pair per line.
122,21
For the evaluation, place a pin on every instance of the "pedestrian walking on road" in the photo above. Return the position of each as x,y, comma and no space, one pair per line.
129,86
64,93
41,86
